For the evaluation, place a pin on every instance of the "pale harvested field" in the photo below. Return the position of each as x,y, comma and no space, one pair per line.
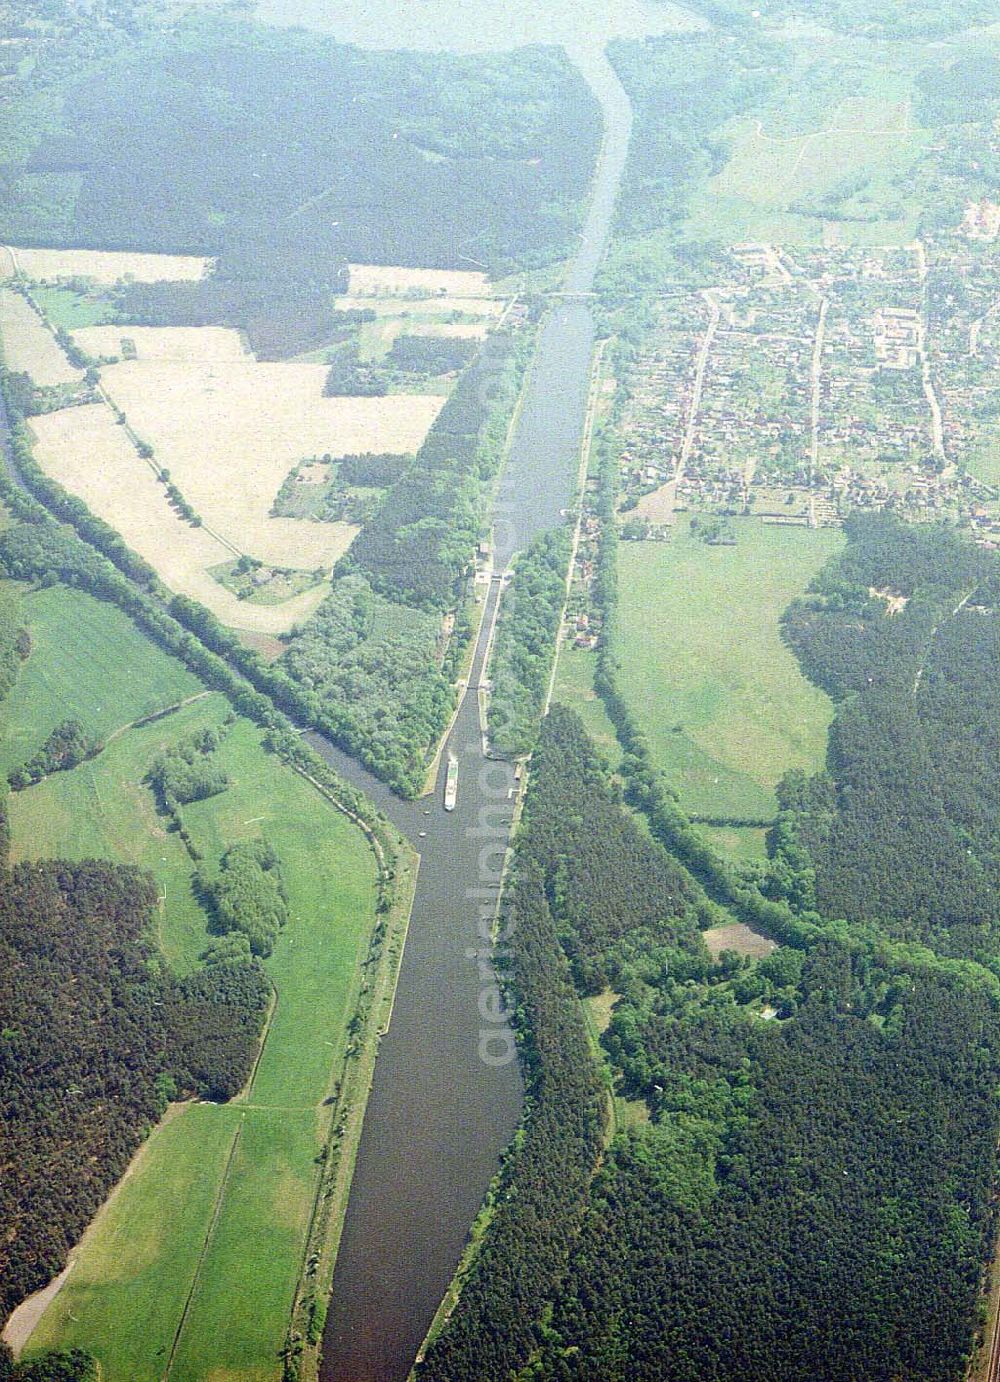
164,342
87,452
737,937
230,433
388,279
28,346
658,505
422,308
471,331
108,266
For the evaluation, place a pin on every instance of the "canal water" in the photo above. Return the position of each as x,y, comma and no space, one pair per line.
442,1106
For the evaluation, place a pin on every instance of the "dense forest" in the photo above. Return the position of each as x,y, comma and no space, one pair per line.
683,87
524,651
903,828
372,669
812,1177
422,537
595,886
95,1039
276,151
72,1366
813,1197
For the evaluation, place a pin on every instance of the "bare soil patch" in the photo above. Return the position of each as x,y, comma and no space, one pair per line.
184,343
418,308
393,280
658,505
87,452
229,432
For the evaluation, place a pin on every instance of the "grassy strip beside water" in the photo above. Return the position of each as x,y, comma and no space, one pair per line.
195,1261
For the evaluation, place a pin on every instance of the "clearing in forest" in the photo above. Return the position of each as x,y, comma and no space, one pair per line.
393,280
737,936
722,700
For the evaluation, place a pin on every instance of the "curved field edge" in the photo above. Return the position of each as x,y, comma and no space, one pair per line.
147,1256
702,664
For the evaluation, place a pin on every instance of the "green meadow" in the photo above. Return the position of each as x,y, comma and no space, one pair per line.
833,174
574,688
193,1263
89,661
720,697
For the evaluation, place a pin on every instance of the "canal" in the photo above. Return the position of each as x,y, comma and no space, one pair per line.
444,1104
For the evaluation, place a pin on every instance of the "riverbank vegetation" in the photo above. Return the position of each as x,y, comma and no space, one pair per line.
375,665
629,893
526,636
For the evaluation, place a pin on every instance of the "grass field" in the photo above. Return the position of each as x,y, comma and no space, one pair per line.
107,674
726,709
180,1237
574,688
837,182
64,307
737,842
